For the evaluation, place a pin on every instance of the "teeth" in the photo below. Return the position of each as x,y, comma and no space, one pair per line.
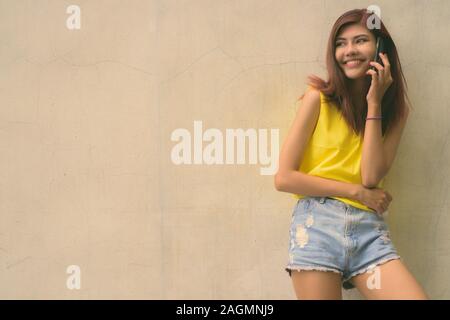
353,63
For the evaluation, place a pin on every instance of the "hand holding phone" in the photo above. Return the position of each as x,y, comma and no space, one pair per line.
380,48
383,79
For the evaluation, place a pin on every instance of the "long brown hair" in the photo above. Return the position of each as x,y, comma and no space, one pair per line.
336,89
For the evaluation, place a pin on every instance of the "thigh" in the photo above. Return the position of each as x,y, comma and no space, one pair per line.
317,285
389,281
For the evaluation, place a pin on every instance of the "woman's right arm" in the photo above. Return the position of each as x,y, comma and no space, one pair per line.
288,178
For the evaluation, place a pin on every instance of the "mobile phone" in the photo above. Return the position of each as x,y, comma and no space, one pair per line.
380,48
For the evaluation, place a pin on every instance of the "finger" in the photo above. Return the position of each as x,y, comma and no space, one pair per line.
374,209
381,205
378,208
385,60
376,65
387,68
379,73
374,74
389,196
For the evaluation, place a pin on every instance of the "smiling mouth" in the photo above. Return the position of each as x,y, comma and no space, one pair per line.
353,63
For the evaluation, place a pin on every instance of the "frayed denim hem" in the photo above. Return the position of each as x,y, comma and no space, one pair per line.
290,268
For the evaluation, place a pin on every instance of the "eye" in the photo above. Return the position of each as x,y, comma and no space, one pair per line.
363,40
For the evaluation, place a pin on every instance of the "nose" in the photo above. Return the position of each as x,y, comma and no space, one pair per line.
350,50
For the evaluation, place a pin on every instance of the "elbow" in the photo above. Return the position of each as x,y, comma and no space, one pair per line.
370,182
373,180
278,182
369,185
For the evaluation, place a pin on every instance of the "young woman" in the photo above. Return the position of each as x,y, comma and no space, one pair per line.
339,149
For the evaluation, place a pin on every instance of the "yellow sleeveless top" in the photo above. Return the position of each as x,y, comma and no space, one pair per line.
334,151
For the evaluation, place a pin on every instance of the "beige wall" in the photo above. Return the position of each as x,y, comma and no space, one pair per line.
86,118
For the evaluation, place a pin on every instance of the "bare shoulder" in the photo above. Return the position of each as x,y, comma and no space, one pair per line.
312,93
308,107
293,149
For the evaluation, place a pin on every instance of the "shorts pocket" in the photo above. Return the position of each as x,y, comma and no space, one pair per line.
303,206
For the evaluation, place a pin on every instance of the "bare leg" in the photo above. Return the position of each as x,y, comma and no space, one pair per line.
389,281
317,285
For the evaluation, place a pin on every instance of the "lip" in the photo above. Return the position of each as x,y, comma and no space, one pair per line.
353,64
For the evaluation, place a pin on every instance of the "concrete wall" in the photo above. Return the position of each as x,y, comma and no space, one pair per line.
87,165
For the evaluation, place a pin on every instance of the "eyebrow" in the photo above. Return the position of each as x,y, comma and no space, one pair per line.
359,35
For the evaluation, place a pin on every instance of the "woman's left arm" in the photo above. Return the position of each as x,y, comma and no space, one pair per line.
378,156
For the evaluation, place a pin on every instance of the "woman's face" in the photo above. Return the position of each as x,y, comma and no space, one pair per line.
355,48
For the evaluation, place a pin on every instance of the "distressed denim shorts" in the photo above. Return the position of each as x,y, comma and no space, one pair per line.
327,234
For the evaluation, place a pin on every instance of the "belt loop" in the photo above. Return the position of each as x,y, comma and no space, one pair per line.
322,199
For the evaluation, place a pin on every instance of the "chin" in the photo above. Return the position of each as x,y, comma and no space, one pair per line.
355,75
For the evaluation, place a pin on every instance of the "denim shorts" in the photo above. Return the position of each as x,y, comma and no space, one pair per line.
327,234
